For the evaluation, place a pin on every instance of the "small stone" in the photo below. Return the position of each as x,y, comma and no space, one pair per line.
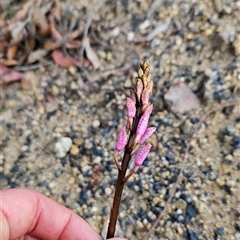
130,36
78,141
72,70
41,110
220,182
28,80
63,146
96,123
74,149
88,144
55,90
128,83
71,181
29,165
108,191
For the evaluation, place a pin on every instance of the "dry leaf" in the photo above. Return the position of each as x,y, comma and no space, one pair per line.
73,44
41,22
18,31
9,62
180,98
36,55
8,75
56,12
22,13
51,45
91,55
12,51
74,34
55,33
61,60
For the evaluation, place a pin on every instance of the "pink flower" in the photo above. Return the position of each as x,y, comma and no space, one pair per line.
121,140
145,96
131,108
143,122
142,154
147,134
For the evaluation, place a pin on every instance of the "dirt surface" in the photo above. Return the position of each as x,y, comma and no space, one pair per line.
196,42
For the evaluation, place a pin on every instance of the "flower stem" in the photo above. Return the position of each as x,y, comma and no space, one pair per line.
117,196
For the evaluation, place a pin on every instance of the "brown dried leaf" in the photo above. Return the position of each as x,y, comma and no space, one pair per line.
57,11
9,62
54,31
3,44
91,55
61,60
73,44
41,22
12,51
74,34
51,45
8,75
18,31
180,98
36,55
22,13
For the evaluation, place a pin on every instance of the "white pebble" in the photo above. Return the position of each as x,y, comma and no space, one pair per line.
63,146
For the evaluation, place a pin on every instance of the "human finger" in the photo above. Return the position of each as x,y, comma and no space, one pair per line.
27,212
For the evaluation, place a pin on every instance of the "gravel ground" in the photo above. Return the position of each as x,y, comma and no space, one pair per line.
66,153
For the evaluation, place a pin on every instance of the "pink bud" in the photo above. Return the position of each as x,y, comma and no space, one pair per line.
131,108
143,122
142,154
139,85
121,140
148,133
145,96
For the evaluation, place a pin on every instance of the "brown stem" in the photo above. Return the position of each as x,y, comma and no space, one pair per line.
117,196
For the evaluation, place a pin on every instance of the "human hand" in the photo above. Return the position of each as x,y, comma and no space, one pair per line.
27,214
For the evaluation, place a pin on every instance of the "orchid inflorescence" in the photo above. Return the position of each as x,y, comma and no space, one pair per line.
133,136
138,109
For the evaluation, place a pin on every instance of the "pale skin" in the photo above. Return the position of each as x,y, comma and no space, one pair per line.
28,215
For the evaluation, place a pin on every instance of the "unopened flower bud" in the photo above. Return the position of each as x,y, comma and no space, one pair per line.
141,155
145,81
143,122
121,140
131,108
145,96
139,88
140,72
147,134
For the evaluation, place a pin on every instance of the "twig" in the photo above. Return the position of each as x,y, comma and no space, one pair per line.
87,26
33,66
146,237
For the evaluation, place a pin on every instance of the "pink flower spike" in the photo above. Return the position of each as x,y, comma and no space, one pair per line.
143,122
145,96
121,140
148,133
141,155
131,108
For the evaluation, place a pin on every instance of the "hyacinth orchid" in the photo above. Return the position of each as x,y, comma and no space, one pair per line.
131,139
